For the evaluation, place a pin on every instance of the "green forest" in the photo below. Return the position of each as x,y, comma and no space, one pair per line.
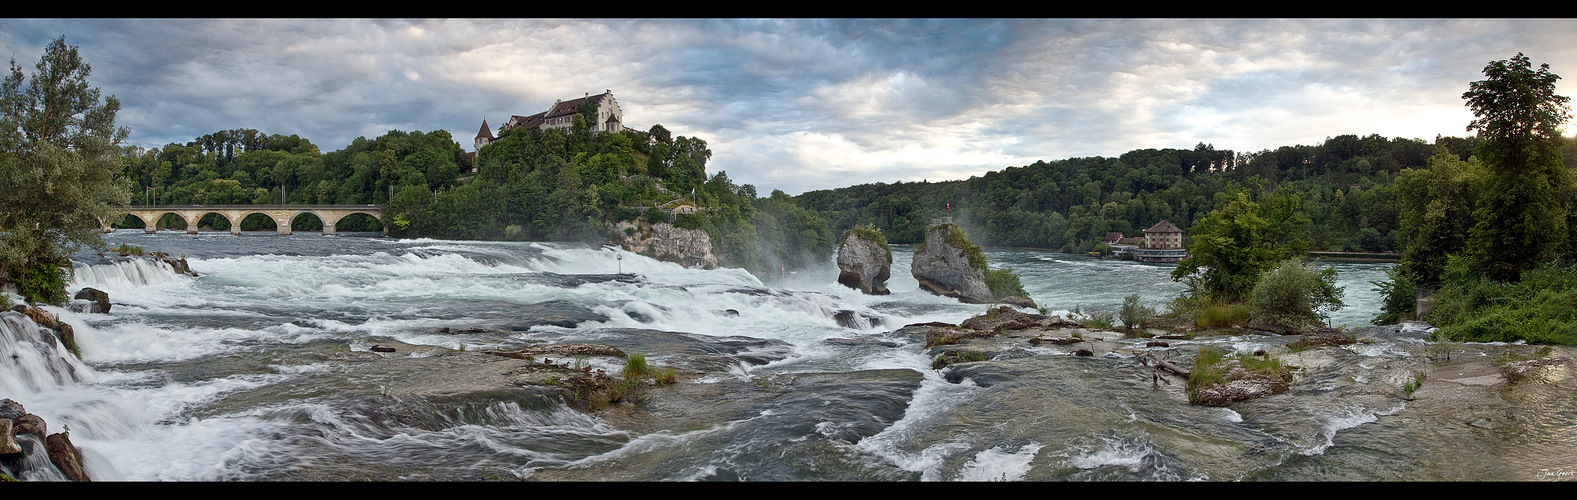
1347,185
530,184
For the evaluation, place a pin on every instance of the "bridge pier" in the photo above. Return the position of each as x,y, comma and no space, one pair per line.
328,229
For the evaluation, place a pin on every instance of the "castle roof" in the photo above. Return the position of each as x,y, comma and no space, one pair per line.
532,121
564,108
1163,227
485,132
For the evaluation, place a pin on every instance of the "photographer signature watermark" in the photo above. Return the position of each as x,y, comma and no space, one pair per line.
1556,474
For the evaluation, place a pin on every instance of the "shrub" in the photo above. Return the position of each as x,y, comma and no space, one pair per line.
635,366
1540,308
1400,296
689,221
1004,283
125,249
622,213
43,282
1295,294
955,237
1095,317
1133,313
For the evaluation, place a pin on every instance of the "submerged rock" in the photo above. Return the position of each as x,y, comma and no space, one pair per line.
559,313
943,265
864,263
1324,337
1020,302
856,320
179,265
1004,318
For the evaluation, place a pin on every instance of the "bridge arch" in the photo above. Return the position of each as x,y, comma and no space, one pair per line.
235,214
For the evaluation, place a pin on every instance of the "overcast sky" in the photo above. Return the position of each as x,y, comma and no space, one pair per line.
805,104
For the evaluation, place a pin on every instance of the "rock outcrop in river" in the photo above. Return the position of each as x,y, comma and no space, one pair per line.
92,300
665,242
949,265
17,426
49,323
865,261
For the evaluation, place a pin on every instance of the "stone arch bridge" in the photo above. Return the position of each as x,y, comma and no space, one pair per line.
282,215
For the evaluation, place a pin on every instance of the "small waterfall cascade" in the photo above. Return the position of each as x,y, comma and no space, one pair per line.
122,274
33,359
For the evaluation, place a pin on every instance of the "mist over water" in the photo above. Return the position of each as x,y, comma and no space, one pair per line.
260,369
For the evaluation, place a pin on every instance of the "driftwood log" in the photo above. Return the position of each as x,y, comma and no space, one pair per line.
1158,364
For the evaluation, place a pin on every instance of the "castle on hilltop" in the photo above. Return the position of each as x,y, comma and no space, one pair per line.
560,115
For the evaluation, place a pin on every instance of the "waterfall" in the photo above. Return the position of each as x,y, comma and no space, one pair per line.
32,358
123,274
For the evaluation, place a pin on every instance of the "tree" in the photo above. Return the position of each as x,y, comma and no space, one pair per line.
59,153
1231,247
1521,220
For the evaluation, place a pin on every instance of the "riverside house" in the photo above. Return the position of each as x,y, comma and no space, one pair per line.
1163,242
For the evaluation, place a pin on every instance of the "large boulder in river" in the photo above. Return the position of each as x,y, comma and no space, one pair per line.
865,261
98,300
665,242
948,264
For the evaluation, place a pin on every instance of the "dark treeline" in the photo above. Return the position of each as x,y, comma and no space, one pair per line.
1346,185
248,167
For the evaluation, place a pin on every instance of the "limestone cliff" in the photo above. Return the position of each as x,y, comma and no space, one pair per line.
946,265
665,242
864,262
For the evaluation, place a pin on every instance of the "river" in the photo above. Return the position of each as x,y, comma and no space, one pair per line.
260,369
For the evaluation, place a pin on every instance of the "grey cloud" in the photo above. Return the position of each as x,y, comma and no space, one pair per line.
885,100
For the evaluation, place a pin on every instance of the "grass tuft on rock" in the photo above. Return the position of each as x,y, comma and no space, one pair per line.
1215,368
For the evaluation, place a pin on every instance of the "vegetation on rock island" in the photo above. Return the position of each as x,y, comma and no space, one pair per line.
870,234
59,155
1003,283
1247,253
